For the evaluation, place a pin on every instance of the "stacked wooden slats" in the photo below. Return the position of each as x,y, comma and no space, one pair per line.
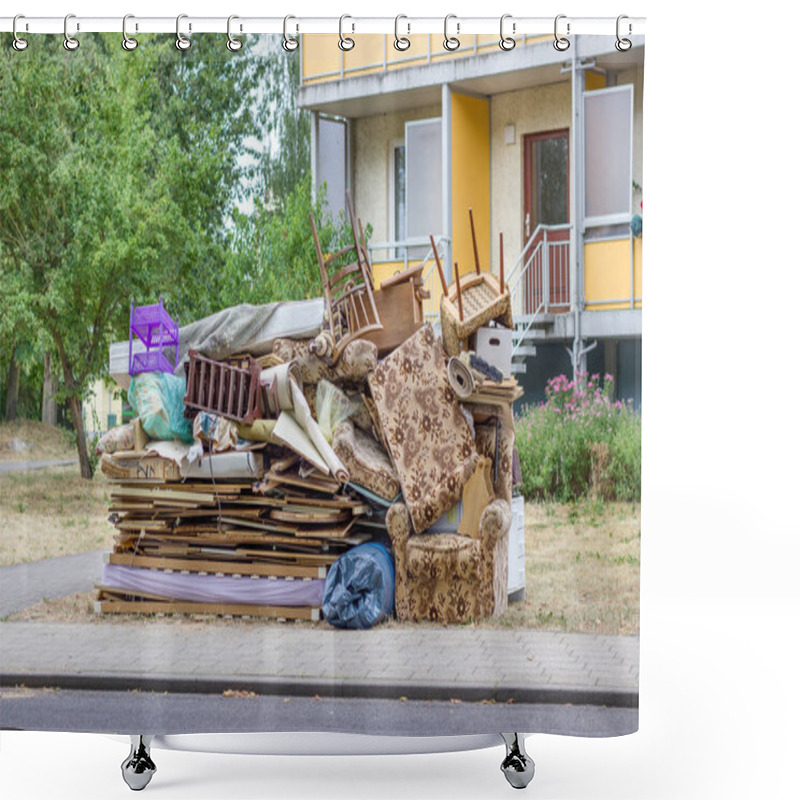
286,526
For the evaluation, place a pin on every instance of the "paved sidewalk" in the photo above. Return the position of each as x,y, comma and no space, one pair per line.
24,585
20,466
418,663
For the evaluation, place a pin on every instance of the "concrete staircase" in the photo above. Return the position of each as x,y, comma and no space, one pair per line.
528,330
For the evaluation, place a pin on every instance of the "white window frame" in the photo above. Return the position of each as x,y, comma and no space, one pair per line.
624,216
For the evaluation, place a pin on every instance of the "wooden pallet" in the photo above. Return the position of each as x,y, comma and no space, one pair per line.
117,601
217,567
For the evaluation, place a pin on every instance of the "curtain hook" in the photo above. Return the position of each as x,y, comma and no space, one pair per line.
70,42
400,42
345,42
507,42
290,44
233,44
561,44
128,43
181,41
451,42
18,44
623,44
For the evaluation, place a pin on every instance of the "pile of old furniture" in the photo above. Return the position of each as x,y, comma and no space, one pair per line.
260,462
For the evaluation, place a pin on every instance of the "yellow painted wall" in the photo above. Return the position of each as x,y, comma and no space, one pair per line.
471,179
608,276
104,399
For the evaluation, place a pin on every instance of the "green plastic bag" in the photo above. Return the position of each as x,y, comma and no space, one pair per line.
157,397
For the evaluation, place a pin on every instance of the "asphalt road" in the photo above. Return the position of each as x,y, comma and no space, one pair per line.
163,713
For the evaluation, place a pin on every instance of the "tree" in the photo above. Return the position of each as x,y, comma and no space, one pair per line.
119,172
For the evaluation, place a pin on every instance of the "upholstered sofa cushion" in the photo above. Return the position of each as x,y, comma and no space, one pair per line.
427,436
358,359
366,460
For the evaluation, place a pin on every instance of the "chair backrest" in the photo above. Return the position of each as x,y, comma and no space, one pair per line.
347,283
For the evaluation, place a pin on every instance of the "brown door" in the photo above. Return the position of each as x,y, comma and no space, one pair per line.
546,182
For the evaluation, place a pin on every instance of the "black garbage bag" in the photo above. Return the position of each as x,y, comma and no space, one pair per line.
359,589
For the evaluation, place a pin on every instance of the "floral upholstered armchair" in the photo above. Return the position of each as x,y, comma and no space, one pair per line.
446,577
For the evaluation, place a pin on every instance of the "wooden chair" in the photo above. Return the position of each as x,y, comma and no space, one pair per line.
347,283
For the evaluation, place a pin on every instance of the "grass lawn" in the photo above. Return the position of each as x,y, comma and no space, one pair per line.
52,512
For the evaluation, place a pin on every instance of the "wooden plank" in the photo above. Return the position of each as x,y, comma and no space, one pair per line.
164,494
216,609
212,567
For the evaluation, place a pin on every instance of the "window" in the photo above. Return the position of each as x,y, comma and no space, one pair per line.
423,188
397,193
608,136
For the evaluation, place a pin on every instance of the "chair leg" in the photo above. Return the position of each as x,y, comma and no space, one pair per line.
138,768
518,766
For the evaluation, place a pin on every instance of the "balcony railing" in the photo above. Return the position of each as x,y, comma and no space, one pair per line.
410,252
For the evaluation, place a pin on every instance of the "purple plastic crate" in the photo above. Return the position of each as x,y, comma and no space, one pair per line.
156,330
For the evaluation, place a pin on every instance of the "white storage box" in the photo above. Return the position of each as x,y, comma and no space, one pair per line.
516,550
494,345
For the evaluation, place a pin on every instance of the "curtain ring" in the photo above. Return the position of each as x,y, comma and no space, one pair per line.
290,44
345,42
70,42
400,42
623,44
561,44
18,44
181,41
233,44
128,43
507,42
451,43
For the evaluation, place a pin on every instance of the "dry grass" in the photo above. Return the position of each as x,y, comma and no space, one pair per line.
52,512
46,442
582,568
582,576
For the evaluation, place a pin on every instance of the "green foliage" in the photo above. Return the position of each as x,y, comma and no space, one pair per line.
580,441
272,256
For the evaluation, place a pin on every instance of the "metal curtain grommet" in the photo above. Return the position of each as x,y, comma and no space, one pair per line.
290,44
233,44
345,42
451,43
623,44
561,44
401,43
70,42
181,41
128,43
507,42
18,44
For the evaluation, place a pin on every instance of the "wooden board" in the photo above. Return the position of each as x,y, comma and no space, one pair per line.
114,606
214,567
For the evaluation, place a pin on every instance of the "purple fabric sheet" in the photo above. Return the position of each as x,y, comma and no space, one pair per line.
216,588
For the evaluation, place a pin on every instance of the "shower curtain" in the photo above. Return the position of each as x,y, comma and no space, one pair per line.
383,551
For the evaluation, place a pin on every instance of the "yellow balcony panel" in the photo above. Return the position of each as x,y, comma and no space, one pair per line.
321,57
607,267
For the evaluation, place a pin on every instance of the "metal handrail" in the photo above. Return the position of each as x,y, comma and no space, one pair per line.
514,281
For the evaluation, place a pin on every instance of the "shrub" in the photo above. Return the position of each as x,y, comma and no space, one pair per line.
578,441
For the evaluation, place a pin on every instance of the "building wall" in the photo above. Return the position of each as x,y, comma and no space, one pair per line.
105,398
371,140
543,108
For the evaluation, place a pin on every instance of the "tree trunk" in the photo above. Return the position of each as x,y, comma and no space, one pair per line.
49,392
12,397
77,422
